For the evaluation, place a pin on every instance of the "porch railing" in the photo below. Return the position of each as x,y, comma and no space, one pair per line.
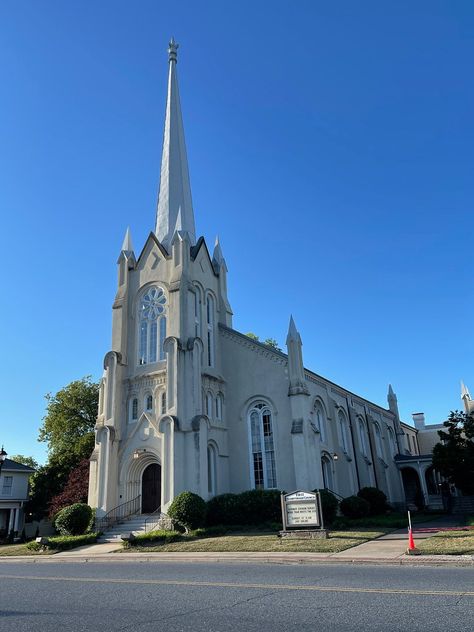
119,513
152,520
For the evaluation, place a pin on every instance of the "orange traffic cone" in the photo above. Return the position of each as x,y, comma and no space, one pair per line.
412,550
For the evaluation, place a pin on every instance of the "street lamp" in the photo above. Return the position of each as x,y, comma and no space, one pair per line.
3,456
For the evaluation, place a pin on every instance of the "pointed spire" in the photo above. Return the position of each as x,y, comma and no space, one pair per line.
217,256
464,391
391,394
174,200
295,361
127,245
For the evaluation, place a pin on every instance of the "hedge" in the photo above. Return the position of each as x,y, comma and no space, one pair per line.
252,507
64,542
376,499
329,505
354,507
156,537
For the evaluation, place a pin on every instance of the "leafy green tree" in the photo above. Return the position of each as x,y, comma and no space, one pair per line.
29,461
252,335
68,426
453,457
271,342
68,429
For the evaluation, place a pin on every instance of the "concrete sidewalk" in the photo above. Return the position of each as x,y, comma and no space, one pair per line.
388,549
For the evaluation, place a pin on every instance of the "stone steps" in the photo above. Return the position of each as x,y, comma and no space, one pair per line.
136,525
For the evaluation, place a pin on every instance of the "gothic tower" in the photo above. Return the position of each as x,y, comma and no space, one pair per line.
152,431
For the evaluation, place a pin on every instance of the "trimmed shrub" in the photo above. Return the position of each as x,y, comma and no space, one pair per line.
329,505
376,499
63,542
73,520
223,509
252,507
355,507
260,505
156,537
189,510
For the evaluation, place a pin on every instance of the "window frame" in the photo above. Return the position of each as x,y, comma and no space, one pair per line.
260,407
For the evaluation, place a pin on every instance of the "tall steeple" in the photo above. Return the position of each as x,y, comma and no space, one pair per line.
175,207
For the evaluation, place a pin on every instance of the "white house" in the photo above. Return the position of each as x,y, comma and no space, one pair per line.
13,496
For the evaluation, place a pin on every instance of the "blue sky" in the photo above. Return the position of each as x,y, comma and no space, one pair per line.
330,147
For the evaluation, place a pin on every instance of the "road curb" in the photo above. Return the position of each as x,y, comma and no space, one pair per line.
452,560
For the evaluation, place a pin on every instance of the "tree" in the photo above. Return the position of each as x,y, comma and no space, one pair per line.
453,457
75,489
29,461
68,428
270,342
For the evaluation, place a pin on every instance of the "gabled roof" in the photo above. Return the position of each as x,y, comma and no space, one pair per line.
10,466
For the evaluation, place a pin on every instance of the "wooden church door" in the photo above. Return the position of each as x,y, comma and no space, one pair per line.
151,488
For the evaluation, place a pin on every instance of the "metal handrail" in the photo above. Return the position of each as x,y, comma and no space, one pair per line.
334,493
147,520
118,513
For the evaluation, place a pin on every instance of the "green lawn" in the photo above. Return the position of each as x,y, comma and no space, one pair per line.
448,543
19,549
263,542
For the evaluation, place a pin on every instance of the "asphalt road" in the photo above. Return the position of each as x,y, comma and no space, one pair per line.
152,596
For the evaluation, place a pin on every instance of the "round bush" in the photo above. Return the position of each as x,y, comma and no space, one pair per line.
329,505
355,507
376,499
188,509
73,520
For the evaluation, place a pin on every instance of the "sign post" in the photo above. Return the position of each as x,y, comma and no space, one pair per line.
302,515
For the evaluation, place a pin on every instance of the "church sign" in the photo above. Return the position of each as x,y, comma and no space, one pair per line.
301,509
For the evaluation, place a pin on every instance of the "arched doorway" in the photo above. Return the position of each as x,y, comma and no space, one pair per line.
151,488
412,487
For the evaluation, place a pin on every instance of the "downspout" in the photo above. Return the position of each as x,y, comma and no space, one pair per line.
353,444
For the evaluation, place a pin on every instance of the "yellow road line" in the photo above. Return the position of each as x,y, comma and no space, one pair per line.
177,582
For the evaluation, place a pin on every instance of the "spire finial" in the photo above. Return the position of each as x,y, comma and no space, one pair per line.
173,50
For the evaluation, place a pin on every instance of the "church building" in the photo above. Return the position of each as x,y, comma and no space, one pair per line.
189,403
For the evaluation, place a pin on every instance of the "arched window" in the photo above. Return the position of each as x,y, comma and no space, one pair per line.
152,326
326,465
320,422
133,415
343,431
391,441
149,402
362,437
197,312
209,401
163,403
378,441
210,330
211,470
219,406
263,469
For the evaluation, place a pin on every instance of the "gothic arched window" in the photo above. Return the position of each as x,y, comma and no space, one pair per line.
343,431
326,465
262,468
219,406
211,470
362,437
378,441
149,402
210,330
133,415
320,422
209,401
197,312
152,325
